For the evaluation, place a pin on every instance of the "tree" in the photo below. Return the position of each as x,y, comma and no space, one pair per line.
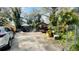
13,15
16,15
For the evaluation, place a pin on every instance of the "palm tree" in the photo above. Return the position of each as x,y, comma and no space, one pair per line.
13,15
16,12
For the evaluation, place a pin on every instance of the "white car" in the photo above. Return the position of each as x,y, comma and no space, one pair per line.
6,36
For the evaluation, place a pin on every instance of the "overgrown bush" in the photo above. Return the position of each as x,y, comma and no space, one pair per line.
75,47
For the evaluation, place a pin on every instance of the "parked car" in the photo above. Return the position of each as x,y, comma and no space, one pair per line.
6,36
26,28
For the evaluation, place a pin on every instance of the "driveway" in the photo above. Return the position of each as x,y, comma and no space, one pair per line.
33,41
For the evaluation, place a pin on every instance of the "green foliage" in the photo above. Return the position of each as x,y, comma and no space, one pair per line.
74,47
66,38
62,20
69,17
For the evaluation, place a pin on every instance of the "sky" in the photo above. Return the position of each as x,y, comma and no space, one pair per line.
28,9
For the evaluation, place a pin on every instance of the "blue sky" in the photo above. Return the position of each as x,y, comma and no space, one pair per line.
27,9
